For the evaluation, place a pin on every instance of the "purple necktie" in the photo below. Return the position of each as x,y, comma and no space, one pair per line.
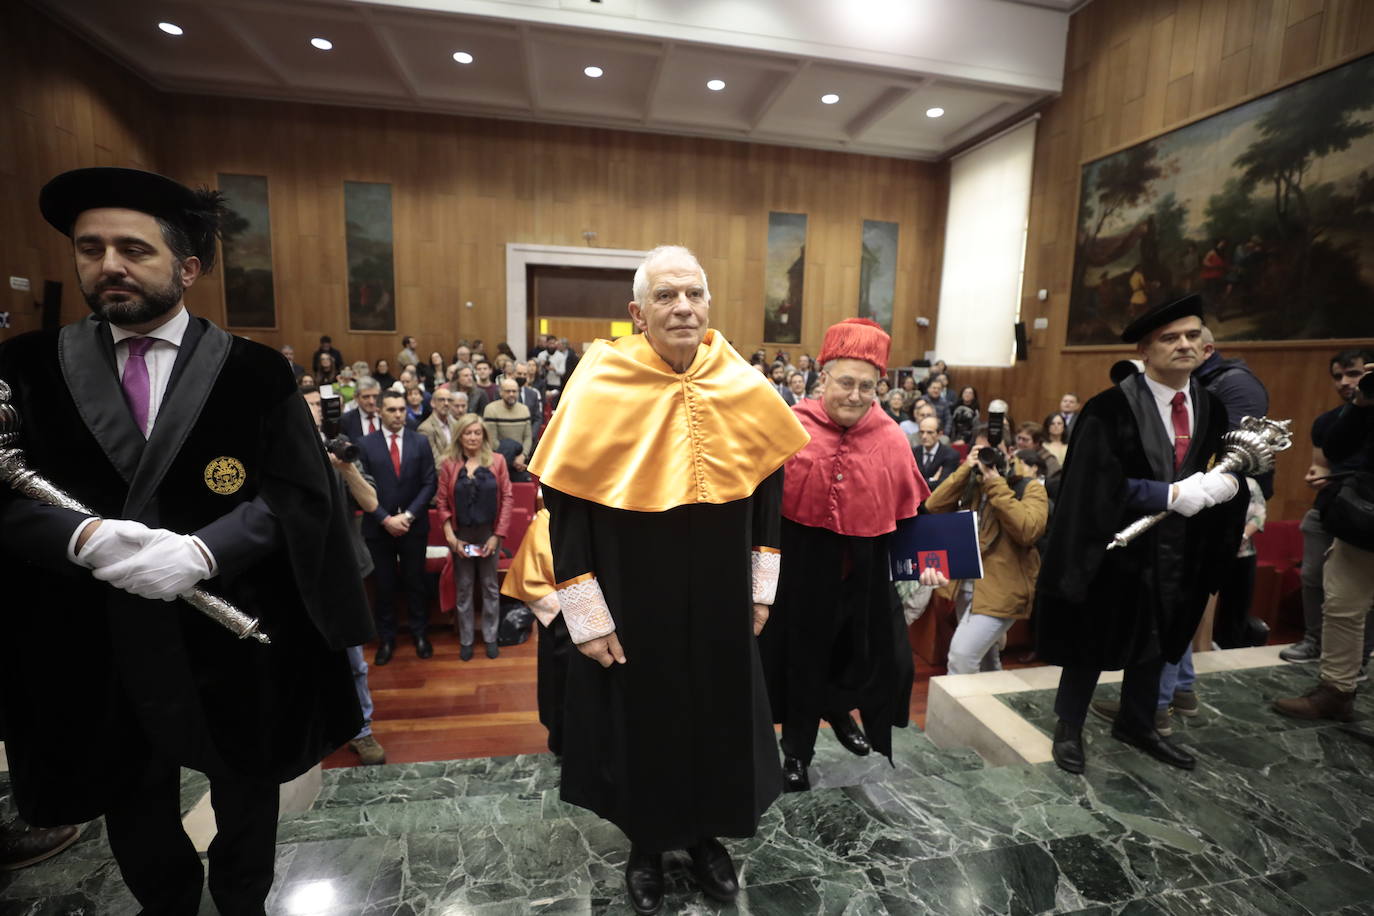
135,381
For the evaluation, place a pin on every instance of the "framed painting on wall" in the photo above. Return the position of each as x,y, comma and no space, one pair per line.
783,275
246,243
371,261
1267,209
878,272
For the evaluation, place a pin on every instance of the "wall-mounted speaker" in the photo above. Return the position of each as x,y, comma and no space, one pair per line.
1022,344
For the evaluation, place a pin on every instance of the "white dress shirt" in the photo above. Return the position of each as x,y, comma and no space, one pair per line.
399,439
1164,396
371,424
160,358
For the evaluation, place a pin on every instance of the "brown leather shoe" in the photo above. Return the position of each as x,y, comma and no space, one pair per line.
1321,702
370,752
24,846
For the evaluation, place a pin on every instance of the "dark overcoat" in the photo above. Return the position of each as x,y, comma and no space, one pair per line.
92,677
1110,609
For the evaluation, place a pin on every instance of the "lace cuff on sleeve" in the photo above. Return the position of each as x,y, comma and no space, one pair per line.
584,608
545,608
766,565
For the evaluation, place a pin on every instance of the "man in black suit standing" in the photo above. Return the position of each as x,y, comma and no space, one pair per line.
397,531
365,420
935,459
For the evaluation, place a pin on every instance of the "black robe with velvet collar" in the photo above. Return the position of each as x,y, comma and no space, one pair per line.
1110,609
92,678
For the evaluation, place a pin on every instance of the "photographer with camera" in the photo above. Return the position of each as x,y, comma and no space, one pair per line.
1013,510
1348,577
327,407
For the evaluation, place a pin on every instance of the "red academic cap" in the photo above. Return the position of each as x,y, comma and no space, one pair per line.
856,338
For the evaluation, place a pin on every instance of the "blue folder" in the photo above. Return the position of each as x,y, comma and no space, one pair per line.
945,540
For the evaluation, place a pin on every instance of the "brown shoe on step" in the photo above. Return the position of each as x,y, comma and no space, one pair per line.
369,752
1321,702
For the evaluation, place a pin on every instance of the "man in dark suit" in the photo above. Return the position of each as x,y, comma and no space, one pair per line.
365,420
1068,409
397,531
199,463
935,459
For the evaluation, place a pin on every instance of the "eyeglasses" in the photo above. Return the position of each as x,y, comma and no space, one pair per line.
848,384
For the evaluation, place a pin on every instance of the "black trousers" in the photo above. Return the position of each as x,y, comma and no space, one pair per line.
1139,696
158,861
399,565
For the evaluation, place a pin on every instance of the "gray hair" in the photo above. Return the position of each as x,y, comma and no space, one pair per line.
663,252
366,383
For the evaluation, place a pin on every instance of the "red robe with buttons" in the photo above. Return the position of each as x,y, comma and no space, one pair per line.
836,638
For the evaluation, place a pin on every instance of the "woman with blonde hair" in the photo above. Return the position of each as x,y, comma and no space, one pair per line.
475,502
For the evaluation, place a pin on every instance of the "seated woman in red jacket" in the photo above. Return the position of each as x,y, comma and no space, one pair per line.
475,502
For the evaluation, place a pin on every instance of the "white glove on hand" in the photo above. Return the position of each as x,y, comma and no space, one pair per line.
113,540
1220,485
1192,496
169,565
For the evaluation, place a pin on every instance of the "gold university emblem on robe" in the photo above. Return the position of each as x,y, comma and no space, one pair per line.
225,475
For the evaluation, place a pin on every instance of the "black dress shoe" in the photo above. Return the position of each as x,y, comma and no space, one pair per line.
714,871
1068,747
848,733
422,646
493,650
794,778
385,649
465,652
1156,747
644,881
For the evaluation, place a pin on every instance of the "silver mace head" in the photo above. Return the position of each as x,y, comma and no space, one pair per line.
1251,448
9,418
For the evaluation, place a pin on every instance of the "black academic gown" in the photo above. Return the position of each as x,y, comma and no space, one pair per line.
1108,610
836,639
94,680
677,744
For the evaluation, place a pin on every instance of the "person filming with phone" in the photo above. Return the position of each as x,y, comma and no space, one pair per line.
475,503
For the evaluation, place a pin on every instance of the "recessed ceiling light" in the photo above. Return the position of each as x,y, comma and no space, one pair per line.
324,44
715,85
593,72
934,112
462,57
171,28
830,98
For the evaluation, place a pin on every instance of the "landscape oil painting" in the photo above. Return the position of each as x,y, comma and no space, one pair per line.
1267,209
878,272
246,237
371,263
784,272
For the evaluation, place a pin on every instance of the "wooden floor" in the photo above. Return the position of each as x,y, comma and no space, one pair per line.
444,709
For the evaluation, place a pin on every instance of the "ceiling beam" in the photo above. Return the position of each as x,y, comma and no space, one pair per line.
231,25
527,67
781,86
389,51
651,98
882,106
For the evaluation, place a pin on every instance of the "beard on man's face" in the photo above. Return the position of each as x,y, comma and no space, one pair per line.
141,305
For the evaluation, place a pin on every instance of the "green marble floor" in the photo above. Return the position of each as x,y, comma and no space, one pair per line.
1278,819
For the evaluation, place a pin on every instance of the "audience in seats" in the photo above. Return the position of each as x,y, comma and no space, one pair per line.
1056,440
407,356
381,371
438,427
326,346
475,502
466,383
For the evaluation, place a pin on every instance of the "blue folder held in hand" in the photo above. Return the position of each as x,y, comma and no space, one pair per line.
947,541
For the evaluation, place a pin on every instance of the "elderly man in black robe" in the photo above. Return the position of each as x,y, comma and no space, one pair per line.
1138,448
661,469
203,466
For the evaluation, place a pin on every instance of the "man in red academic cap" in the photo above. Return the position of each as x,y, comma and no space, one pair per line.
201,464
837,640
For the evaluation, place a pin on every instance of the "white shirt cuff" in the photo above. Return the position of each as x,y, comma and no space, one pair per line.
76,536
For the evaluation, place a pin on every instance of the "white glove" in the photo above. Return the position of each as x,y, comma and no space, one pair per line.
169,565
1220,485
1192,496
113,540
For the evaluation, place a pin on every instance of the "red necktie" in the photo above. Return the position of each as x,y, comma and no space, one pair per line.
396,456
371,425
1182,433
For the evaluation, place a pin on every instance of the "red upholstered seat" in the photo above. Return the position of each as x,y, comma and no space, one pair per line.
961,448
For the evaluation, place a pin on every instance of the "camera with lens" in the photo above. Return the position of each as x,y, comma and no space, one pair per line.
993,458
997,421
331,412
1367,385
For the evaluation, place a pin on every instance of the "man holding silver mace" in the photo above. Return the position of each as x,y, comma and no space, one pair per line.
202,479
1143,446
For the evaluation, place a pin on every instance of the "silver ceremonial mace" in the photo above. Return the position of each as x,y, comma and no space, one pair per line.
15,472
1248,449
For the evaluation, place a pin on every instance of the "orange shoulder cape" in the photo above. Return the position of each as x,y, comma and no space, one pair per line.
630,433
